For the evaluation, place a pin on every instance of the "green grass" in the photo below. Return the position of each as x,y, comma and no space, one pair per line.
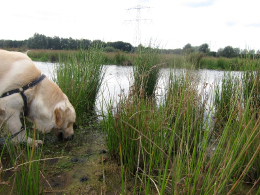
24,163
146,72
47,55
80,76
179,146
225,96
221,63
198,60
172,148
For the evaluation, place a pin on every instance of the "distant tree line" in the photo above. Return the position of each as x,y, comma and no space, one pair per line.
39,41
228,51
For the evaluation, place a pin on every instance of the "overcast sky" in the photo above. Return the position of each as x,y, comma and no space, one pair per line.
173,24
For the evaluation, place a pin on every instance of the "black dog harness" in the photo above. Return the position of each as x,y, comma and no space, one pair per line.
25,108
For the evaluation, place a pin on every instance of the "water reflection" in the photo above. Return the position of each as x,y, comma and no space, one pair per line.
118,79
47,68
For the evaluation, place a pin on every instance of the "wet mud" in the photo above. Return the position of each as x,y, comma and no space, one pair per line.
86,168
79,166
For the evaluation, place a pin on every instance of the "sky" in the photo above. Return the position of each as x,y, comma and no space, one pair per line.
167,24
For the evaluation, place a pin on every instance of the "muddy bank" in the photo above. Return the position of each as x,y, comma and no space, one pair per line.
86,169
80,166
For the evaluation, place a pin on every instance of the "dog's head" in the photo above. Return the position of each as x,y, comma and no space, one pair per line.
64,116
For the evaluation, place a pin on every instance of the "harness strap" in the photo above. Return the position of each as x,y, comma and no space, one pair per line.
24,88
25,108
9,137
2,140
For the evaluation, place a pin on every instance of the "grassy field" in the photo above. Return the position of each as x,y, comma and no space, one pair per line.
117,58
186,144
198,60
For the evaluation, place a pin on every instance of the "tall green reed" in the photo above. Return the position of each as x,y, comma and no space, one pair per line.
170,147
237,130
150,136
80,76
236,158
24,165
194,59
225,93
146,71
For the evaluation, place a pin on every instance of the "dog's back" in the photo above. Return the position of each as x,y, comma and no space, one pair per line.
16,70
48,107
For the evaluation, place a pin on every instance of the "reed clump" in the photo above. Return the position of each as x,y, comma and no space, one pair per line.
225,95
146,72
237,121
80,76
187,144
152,138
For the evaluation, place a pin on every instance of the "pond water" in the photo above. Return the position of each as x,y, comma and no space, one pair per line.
118,79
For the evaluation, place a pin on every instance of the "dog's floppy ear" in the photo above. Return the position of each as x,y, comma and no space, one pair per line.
59,120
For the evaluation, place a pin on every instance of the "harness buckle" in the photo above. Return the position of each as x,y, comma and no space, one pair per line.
29,84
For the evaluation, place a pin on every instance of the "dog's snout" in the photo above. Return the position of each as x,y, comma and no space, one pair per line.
70,137
61,137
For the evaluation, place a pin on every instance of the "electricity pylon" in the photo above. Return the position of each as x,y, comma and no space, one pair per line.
138,21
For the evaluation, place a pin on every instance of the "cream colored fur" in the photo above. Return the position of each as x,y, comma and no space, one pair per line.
49,107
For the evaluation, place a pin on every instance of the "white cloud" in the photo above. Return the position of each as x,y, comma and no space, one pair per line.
175,23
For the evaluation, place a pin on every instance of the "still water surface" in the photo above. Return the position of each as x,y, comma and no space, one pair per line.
118,79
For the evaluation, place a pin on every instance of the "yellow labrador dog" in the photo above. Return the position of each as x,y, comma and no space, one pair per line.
46,105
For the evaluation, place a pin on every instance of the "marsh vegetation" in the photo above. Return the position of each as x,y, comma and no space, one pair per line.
186,143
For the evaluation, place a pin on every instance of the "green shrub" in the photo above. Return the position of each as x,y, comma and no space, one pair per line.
109,49
221,63
208,63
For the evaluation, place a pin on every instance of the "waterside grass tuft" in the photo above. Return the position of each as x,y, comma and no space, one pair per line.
146,72
24,166
80,76
188,144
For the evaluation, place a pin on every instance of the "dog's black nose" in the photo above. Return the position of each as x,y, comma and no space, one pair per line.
60,136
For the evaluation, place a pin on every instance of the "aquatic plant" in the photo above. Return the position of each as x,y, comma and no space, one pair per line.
80,76
179,146
146,71
24,166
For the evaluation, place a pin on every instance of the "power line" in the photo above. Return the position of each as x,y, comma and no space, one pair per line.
138,20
